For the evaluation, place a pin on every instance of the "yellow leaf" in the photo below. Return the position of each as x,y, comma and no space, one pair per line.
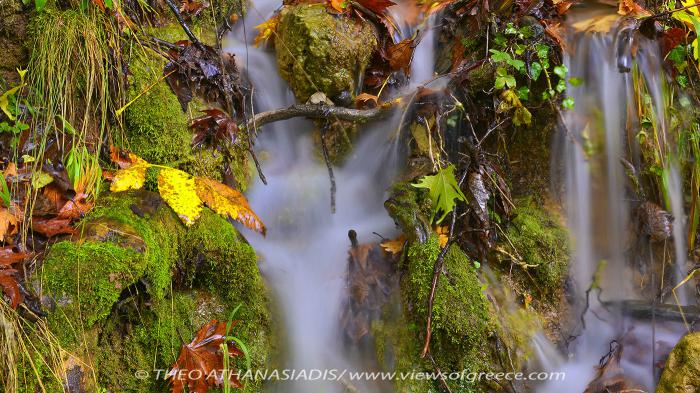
266,29
688,3
131,178
228,202
178,190
337,5
442,233
394,246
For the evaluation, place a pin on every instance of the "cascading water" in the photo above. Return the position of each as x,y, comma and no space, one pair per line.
305,253
594,142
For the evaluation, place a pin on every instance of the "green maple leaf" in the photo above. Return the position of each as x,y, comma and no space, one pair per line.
443,189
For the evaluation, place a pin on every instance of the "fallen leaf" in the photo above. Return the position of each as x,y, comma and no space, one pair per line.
8,224
366,100
178,190
628,7
200,364
10,255
10,287
51,227
226,201
555,30
377,6
400,55
215,128
77,207
124,158
394,246
337,5
192,7
131,178
10,170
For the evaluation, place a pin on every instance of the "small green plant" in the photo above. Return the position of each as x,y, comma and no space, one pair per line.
10,105
512,46
443,189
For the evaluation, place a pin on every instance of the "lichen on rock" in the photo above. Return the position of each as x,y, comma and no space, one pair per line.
682,371
320,52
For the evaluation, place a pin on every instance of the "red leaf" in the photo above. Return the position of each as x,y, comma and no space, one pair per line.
200,363
670,39
9,256
214,128
377,6
77,207
10,287
400,55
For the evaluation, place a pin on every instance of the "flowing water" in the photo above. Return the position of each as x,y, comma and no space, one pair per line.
305,253
304,256
593,140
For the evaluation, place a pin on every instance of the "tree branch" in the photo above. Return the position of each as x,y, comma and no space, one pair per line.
315,112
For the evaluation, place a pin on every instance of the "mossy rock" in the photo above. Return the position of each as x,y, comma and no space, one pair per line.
682,371
137,282
463,328
320,52
410,208
537,236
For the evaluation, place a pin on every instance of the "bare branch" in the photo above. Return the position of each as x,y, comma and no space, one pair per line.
316,112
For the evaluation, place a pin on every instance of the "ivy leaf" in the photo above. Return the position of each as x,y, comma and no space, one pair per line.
499,56
228,202
561,71
575,82
535,70
561,86
178,190
568,103
443,190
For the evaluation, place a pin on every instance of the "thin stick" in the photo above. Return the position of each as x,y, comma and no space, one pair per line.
331,176
186,28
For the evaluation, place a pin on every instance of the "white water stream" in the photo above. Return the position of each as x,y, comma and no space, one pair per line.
305,253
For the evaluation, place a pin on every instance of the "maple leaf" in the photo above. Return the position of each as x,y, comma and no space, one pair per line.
266,30
178,190
213,128
228,202
443,190
377,6
200,364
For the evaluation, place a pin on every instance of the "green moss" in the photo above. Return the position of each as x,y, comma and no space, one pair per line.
682,371
156,129
410,208
462,325
536,236
317,51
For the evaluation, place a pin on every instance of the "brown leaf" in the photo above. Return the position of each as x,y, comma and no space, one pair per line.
52,226
377,6
400,55
9,256
77,207
214,129
628,7
670,39
10,287
366,100
555,30
124,158
200,363
8,224
10,170
192,7
394,246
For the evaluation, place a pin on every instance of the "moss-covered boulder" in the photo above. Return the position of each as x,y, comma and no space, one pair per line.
682,371
463,327
136,283
536,240
320,52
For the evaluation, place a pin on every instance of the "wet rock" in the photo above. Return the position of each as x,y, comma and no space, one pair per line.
682,371
317,51
410,207
654,221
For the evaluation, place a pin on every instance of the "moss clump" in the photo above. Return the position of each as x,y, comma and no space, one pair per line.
317,51
410,208
682,371
156,129
462,324
535,235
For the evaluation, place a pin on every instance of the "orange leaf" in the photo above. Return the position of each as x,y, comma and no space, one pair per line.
628,7
8,224
228,202
555,30
9,256
76,207
394,246
266,29
400,55
124,158
366,100
201,362
377,6
337,5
